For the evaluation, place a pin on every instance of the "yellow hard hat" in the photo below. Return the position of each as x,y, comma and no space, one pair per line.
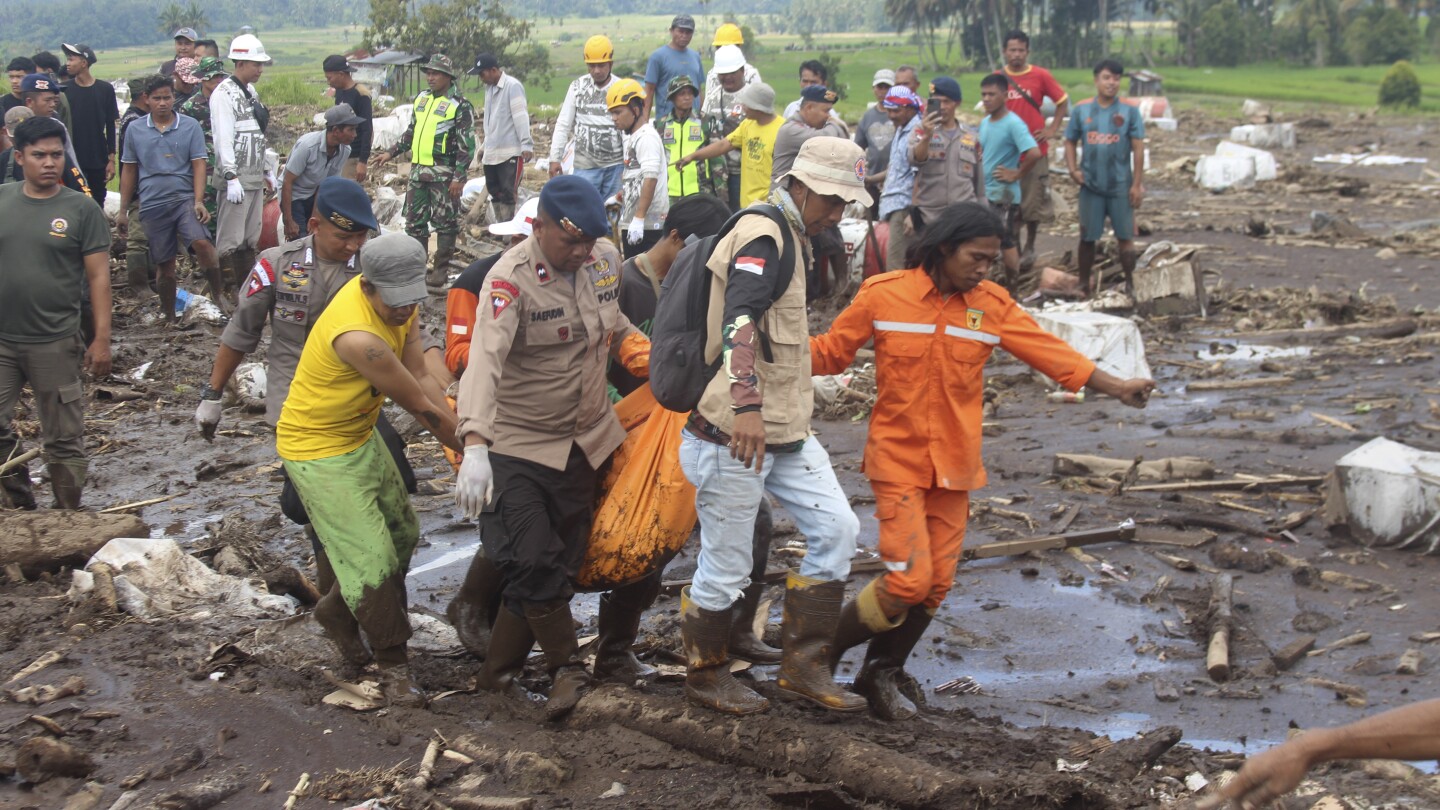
598,49
622,92
728,34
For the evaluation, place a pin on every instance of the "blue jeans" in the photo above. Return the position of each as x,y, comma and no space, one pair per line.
727,499
606,180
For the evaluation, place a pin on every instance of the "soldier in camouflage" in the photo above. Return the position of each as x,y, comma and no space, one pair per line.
441,140
208,74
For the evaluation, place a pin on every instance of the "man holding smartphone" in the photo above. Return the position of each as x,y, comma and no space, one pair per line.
946,154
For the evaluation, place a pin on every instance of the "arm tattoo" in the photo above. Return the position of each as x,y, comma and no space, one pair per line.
373,354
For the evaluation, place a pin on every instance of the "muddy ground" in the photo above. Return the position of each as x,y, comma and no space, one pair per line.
1058,653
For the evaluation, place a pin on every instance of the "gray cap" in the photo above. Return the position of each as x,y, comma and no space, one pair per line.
394,264
758,96
15,116
684,21
342,115
186,33
883,76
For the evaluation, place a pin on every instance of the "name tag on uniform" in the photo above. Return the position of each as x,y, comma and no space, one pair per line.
442,107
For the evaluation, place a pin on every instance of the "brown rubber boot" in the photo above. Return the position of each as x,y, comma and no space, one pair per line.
396,682
812,614
744,643
619,624
708,681
510,643
335,618
66,483
554,628
438,274
476,605
892,693
137,274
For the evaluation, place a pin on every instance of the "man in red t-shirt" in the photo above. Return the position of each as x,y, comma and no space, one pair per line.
1029,86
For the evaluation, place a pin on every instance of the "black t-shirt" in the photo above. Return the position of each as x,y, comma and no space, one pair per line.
10,102
638,302
473,278
93,116
363,107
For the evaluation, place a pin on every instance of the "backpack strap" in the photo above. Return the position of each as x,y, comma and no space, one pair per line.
1016,85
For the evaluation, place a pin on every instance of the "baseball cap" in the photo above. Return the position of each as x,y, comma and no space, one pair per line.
758,96
945,86
683,21
883,76
828,165
486,61
901,96
524,222
335,63
342,115
39,83
729,58
820,93
208,68
186,33
83,51
15,116
575,205
342,202
394,264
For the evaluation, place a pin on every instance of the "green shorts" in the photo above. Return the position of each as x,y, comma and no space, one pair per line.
1094,208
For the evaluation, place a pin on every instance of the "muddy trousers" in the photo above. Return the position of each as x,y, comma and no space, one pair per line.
360,510
921,534
53,371
539,526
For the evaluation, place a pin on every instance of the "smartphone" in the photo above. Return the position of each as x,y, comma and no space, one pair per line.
932,106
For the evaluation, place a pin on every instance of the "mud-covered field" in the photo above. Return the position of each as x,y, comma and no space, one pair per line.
1067,676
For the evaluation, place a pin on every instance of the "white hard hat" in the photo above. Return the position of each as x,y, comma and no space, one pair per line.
729,58
248,48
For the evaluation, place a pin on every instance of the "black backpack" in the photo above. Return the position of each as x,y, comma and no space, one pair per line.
678,371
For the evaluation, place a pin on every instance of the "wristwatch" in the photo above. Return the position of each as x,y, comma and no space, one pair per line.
231,176
208,393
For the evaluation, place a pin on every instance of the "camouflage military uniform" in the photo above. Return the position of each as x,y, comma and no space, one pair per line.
197,106
428,204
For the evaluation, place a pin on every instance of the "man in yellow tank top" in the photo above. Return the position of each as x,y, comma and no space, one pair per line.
365,347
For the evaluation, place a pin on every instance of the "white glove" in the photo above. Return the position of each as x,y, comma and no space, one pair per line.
234,192
207,416
475,482
635,234
270,178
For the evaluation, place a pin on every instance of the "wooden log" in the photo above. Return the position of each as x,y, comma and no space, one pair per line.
1089,537
1233,484
824,754
1160,469
1381,330
47,540
1217,656
28,455
1234,385
1288,655
41,758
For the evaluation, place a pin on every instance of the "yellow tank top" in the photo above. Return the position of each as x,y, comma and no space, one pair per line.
331,408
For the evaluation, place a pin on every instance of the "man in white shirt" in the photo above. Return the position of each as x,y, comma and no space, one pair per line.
237,124
644,184
583,116
508,145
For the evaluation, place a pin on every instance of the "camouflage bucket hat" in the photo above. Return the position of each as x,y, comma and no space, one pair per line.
680,83
441,63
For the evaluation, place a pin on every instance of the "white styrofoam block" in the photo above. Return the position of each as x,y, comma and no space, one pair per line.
1392,491
1266,168
1217,173
1265,136
1113,343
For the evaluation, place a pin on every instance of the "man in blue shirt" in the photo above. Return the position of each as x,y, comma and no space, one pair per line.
1111,172
1009,152
164,159
903,107
669,61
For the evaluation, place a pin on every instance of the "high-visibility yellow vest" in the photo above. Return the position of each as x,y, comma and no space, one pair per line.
682,138
434,121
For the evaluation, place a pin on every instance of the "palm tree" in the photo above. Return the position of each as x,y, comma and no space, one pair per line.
175,16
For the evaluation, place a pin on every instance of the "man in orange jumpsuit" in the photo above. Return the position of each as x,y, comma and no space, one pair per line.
934,327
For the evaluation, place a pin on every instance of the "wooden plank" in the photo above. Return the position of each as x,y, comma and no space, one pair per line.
1292,652
1232,484
1007,548
1232,385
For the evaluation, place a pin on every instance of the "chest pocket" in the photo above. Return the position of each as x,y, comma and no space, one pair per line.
907,355
787,330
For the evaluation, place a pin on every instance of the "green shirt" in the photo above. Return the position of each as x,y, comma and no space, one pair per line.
43,245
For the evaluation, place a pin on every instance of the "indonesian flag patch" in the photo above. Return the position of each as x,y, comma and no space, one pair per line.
262,276
750,264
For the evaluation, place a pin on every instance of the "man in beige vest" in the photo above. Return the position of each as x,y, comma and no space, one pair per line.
759,405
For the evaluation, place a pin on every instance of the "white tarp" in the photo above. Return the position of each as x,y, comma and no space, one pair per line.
1265,167
155,578
387,130
1391,494
1114,343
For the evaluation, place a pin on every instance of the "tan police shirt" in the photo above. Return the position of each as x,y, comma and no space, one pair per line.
953,173
535,380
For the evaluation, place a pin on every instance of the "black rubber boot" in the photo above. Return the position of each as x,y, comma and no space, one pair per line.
66,483
510,643
892,693
554,628
744,643
708,680
619,624
477,604
860,620
438,274
812,614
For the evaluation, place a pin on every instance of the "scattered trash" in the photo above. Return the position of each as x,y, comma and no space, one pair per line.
616,791
1266,168
1113,343
1367,159
197,309
1388,494
1216,173
1168,280
1265,136
1196,782
964,685
1065,766
157,578
1067,396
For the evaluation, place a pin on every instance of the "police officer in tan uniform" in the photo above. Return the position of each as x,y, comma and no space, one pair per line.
538,426
946,154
